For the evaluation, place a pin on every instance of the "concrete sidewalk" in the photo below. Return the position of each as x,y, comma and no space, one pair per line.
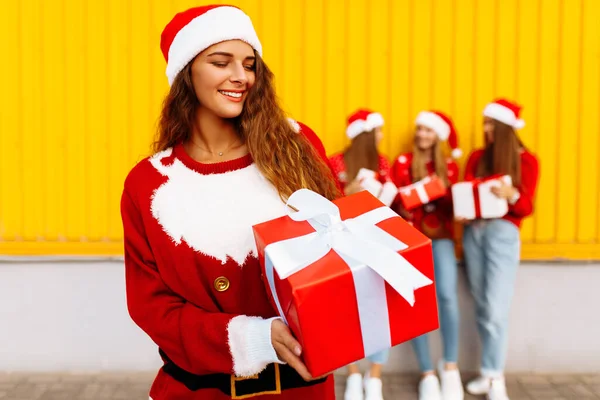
134,386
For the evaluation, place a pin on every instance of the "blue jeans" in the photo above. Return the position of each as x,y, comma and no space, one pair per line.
446,278
492,252
380,357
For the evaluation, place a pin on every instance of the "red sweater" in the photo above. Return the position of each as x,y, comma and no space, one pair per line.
339,168
529,180
193,279
434,219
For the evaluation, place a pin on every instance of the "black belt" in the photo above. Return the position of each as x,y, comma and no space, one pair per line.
272,380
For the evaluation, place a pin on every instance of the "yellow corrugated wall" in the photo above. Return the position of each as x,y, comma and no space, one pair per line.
82,84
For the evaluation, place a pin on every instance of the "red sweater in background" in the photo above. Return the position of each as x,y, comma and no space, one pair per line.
338,165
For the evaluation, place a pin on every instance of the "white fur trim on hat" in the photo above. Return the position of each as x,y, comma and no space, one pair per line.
374,120
295,125
503,114
435,122
356,128
214,26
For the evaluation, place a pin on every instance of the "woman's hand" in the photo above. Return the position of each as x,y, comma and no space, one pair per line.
353,187
504,191
287,348
462,220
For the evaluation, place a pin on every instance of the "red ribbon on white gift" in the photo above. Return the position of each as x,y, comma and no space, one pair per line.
466,195
370,252
419,187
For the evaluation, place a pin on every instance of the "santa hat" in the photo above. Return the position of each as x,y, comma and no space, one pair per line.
441,124
192,31
506,112
363,120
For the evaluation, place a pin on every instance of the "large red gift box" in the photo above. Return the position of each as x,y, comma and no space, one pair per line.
422,192
350,278
474,199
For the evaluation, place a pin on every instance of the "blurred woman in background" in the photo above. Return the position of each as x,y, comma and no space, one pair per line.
435,220
361,166
362,158
492,247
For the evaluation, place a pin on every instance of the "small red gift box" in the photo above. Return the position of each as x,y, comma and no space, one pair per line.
474,199
422,192
350,278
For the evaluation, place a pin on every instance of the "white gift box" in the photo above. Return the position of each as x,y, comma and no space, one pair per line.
385,192
474,199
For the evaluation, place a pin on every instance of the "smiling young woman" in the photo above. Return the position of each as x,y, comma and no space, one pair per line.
226,157
435,220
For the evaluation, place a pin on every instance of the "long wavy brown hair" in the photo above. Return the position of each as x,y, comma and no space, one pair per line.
418,167
503,154
286,158
362,153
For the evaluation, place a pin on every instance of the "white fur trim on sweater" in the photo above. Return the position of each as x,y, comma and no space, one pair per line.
457,153
214,214
374,120
250,344
212,27
435,122
503,114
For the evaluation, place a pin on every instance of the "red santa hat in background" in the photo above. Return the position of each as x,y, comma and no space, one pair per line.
441,124
363,120
194,30
506,112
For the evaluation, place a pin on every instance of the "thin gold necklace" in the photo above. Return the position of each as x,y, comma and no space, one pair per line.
220,153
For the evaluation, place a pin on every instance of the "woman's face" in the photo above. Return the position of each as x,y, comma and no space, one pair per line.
488,129
222,75
425,138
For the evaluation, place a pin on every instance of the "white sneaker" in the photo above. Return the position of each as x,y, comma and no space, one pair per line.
452,388
354,388
498,390
373,388
479,386
429,388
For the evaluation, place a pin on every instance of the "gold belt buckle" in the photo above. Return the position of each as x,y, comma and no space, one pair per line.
235,379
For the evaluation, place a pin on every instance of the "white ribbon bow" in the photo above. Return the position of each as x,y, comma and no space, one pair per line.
370,252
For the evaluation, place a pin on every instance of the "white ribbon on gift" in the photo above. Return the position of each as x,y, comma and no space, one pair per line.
419,187
370,252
